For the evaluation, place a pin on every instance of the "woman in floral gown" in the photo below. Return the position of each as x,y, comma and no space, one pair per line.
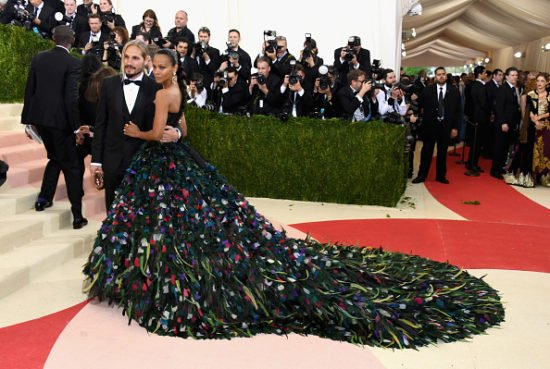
184,254
539,101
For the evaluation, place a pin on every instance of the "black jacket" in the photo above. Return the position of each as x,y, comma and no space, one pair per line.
235,98
7,14
46,16
153,34
110,146
430,106
343,68
348,103
270,103
507,107
51,93
480,106
174,35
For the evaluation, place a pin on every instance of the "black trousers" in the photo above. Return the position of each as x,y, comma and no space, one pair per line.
112,181
475,132
500,151
63,157
439,135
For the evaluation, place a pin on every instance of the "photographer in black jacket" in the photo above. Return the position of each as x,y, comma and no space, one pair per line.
7,12
234,92
298,102
265,89
109,19
351,57
206,56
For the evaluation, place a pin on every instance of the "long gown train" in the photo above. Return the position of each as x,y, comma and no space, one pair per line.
184,254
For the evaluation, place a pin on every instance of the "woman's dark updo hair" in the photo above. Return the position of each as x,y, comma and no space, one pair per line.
171,54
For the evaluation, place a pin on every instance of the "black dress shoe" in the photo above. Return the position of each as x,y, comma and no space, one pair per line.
479,170
41,205
497,175
418,180
442,180
79,223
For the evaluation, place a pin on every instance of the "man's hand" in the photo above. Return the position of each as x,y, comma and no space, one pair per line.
223,66
170,134
454,132
365,87
505,128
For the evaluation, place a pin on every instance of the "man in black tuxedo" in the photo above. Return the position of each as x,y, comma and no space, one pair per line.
492,88
130,99
441,107
7,12
51,104
92,41
281,59
265,89
209,60
479,119
351,57
507,119
353,99
44,17
121,101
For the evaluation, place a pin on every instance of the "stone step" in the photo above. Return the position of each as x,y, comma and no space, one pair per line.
13,138
16,200
11,109
24,264
11,124
22,153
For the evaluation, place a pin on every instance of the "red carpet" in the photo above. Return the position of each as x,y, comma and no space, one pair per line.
27,345
467,244
499,202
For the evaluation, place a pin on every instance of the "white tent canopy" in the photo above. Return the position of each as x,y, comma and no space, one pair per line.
457,31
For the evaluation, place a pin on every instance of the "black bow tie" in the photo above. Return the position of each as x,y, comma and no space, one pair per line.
128,81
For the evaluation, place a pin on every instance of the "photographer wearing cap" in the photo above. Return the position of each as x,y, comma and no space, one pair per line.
353,100
298,102
265,89
391,99
352,57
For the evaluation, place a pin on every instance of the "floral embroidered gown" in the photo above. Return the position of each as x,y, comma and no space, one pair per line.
184,254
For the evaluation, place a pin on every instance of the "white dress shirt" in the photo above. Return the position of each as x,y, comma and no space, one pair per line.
131,91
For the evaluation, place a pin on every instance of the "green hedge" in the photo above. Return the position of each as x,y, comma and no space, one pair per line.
17,48
304,159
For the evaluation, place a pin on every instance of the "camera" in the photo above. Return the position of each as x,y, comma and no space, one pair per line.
270,33
294,78
223,81
270,37
200,48
377,71
354,41
160,41
60,17
22,17
308,50
350,53
107,18
324,79
260,78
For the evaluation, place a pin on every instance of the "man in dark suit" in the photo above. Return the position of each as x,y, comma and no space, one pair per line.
121,101
180,31
206,56
235,56
507,118
92,41
492,88
51,104
353,99
440,105
479,119
186,64
265,89
44,17
77,22
298,101
7,12
235,96
353,56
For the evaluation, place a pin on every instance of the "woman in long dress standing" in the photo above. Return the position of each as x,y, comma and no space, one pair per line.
539,101
184,254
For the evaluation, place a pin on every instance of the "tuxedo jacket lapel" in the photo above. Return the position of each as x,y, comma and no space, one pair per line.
122,99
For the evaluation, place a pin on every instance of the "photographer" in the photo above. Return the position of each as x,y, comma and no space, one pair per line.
93,40
196,90
265,89
86,8
71,18
351,57
41,17
109,20
324,92
186,65
310,60
280,57
391,98
7,12
234,92
235,56
353,100
149,26
112,49
179,31
298,102
413,118
206,56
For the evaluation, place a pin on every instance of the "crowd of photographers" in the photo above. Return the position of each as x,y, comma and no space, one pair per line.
226,80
